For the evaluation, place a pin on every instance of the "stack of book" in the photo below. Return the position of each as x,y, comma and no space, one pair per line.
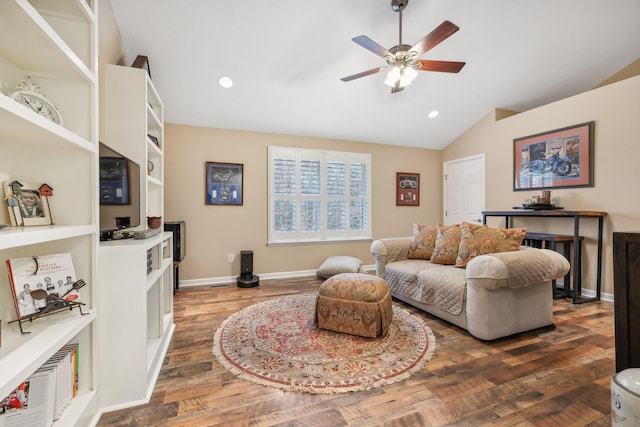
43,397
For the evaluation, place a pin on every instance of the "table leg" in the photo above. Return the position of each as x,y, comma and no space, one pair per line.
577,270
599,267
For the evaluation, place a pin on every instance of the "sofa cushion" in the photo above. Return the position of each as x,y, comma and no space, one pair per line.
339,264
447,243
444,287
481,239
424,241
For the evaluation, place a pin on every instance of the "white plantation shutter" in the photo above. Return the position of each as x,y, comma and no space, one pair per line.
318,195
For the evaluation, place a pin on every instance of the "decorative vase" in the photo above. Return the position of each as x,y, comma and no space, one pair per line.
154,221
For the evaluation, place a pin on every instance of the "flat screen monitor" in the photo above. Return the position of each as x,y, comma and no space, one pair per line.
119,192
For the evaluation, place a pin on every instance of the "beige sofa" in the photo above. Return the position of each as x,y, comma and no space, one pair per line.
496,295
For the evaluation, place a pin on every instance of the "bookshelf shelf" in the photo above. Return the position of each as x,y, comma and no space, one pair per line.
22,354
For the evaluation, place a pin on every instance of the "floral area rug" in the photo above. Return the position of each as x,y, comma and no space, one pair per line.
275,343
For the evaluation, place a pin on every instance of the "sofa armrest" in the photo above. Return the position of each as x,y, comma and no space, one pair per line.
525,267
389,250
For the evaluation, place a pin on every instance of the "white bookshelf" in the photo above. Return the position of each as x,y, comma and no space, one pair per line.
55,44
134,110
138,306
138,324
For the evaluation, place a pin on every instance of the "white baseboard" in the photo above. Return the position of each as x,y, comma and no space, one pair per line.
230,280
603,296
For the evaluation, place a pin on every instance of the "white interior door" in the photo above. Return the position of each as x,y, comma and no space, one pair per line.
464,190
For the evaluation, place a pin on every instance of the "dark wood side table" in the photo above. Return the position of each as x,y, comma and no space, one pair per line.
626,288
577,296
549,241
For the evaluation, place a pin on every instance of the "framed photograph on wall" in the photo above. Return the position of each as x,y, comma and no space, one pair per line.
407,189
555,159
224,182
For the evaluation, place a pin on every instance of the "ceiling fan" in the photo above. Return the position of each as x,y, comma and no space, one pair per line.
402,59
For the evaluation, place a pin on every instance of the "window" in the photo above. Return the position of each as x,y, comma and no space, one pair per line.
317,196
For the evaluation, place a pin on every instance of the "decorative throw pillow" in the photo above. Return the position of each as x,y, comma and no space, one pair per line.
339,264
481,239
424,240
446,247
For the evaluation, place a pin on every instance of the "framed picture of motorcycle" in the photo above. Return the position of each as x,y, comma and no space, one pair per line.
556,159
407,189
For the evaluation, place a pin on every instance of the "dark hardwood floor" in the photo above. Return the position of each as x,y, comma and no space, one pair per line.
554,376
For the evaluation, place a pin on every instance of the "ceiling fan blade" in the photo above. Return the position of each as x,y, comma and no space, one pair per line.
372,46
435,37
441,66
362,74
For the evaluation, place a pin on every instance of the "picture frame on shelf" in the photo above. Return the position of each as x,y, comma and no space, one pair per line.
29,203
407,189
224,183
114,181
142,61
561,158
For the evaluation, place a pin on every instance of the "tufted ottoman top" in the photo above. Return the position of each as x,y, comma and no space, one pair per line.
354,287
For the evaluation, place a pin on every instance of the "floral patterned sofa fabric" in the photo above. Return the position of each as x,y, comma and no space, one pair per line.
496,295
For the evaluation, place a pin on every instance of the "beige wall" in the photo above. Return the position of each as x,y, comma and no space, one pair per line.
214,231
616,112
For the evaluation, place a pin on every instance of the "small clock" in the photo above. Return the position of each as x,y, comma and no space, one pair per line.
39,104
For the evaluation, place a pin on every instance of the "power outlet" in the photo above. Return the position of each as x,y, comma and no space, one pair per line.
230,257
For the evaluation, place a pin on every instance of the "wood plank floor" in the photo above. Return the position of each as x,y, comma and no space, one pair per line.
554,376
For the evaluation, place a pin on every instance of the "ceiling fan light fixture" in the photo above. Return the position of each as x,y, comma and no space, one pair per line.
393,76
401,75
407,76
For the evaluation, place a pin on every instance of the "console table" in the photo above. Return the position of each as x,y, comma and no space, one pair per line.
576,262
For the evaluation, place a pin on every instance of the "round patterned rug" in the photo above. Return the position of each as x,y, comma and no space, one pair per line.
275,343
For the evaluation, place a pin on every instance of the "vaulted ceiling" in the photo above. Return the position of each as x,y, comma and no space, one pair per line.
286,59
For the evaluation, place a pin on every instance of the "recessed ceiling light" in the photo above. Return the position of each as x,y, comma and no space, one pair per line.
225,82
434,114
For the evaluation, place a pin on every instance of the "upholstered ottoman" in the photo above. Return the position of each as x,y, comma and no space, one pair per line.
354,303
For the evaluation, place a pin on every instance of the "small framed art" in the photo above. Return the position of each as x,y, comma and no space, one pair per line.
224,182
407,189
555,159
28,203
